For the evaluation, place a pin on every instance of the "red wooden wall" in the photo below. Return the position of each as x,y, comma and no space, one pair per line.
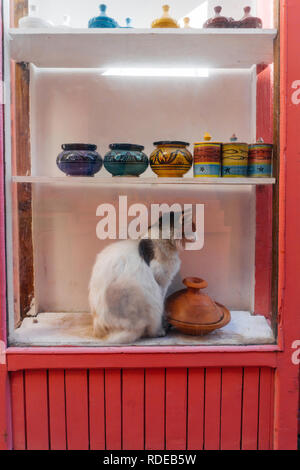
135,409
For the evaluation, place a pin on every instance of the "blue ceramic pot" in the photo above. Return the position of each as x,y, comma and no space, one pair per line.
103,21
126,160
79,160
128,23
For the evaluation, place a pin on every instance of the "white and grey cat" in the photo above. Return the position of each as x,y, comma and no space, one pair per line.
130,280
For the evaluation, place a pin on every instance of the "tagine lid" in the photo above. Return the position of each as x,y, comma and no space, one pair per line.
218,21
250,21
234,140
207,140
165,21
103,20
191,306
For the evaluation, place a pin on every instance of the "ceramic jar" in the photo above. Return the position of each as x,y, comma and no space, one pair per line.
260,160
194,313
126,160
218,21
79,160
165,21
128,23
171,159
33,21
207,158
234,159
103,21
249,21
186,22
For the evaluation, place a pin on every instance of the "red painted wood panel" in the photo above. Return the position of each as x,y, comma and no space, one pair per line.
195,437
57,410
113,410
133,406
18,410
231,408
266,409
250,409
155,409
97,409
176,409
36,406
212,409
77,409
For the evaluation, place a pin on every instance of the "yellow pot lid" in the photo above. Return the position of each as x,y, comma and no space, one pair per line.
165,21
207,139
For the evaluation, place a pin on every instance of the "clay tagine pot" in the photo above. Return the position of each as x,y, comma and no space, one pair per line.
249,21
194,313
218,21
165,21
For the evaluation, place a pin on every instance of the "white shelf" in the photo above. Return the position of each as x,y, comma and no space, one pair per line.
98,48
133,181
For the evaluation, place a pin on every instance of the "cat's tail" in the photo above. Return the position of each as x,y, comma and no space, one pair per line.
117,337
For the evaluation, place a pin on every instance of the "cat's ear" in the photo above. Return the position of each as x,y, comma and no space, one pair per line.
146,250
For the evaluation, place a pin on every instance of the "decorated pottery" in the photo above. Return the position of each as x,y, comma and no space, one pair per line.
207,158
234,159
33,21
171,159
260,160
79,160
194,313
249,21
103,21
126,160
186,22
218,21
165,21
128,23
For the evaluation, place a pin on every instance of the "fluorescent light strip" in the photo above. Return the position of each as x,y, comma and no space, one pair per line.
156,72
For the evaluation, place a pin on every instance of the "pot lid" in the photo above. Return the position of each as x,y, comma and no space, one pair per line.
260,141
73,146
192,306
172,142
124,146
165,20
207,138
234,140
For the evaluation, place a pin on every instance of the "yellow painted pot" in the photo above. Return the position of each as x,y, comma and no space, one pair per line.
235,159
171,159
165,21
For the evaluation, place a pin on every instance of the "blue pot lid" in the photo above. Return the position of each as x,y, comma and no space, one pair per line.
103,17
133,147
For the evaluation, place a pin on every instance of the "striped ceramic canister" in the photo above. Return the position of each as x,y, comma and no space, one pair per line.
235,159
260,160
207,158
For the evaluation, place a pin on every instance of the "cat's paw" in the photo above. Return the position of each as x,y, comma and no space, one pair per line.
162,333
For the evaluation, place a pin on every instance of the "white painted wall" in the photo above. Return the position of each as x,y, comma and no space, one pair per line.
142,12
83,106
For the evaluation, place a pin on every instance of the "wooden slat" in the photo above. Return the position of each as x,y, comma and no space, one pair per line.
97,409
113,411
195,438
250,408
36,405
18,410
155,409
57,410
212,409
77,409
231,408
266,409
18,9
176,409
133,409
